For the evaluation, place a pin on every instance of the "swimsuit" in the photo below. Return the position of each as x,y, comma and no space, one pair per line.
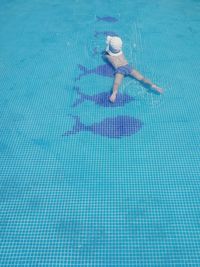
125,70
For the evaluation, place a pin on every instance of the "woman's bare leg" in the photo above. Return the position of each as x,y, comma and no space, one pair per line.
117,81
138,76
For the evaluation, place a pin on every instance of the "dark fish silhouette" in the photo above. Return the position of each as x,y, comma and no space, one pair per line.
103,70
105,33
118,127
102,99
107,19
95,51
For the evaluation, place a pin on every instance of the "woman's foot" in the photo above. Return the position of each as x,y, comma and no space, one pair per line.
113,97
157,89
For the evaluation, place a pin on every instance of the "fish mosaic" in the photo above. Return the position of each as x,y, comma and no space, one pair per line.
95,51
103,70
107,19
102,99
105,33
114,127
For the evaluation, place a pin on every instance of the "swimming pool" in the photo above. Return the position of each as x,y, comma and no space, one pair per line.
84,182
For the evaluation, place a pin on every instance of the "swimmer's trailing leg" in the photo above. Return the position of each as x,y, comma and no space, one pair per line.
138,76
117,81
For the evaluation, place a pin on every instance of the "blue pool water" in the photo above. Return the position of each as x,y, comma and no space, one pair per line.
86,183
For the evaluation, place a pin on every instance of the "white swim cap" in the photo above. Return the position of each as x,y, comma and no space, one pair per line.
114,45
